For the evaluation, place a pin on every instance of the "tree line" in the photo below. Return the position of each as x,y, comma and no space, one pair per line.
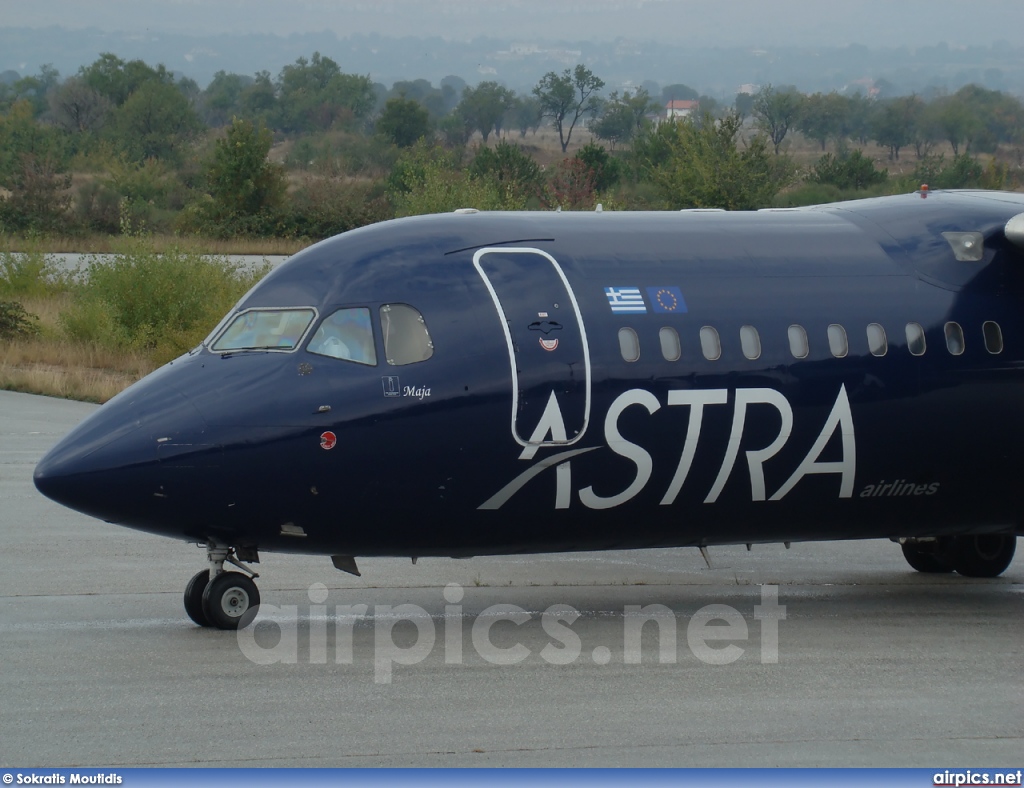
126,144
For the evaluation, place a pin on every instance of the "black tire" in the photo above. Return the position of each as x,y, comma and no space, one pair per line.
985,555
194,597
228,598
929,557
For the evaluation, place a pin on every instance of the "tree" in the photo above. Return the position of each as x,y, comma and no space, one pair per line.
776,111
622,118
678,92
614,124
403,121
605,168
824,117
222,98
35,88
455,129
32,169
847,171
926,130
20,137
894,122
567,97
702,166
957,121
484,107
744,104
427,180
859,118
155,121
526,114
117,80
571,186
510,166
314,95
78,108
240,178
258,101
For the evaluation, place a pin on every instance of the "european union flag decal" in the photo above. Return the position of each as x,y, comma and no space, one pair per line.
666,299
626,300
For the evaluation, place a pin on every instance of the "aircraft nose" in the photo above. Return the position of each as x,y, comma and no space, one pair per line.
107,466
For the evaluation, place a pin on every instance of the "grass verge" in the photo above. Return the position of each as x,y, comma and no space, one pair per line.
107,244
95,333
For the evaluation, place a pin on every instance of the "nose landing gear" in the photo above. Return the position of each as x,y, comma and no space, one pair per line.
224,601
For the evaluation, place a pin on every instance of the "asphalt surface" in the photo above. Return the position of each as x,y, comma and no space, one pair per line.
876,665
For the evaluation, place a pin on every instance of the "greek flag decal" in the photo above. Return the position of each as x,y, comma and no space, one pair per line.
626,300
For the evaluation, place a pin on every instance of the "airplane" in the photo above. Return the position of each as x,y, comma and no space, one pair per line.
497,383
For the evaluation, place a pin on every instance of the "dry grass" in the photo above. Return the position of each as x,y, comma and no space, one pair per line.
106,244
78,383
58,368
50,365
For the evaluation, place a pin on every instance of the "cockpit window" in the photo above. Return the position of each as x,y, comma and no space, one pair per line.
265,329
406,339
348,335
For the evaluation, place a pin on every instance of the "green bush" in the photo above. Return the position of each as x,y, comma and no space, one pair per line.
15,321
142,194
163,303
428,179
38,202
820,193
962,172
510,166
847,171
607,169
322,207
30,273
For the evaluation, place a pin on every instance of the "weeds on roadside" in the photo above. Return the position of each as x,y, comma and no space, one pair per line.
15,321
29,274
162,303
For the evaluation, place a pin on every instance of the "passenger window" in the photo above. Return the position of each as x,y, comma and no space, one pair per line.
750,342
877,343
915,339
347,335
798,342
837,341
954,338
710,343
671,350
993,337
406,339
265,329
629,344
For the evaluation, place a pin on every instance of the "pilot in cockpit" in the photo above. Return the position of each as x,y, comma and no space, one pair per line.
347,335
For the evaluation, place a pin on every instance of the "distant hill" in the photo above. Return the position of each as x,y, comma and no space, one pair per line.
716,71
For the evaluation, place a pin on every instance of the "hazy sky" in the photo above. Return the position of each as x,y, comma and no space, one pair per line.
696,22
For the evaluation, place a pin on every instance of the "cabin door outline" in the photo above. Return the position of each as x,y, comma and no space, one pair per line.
567,313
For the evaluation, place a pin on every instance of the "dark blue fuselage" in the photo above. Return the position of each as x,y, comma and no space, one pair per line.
576,396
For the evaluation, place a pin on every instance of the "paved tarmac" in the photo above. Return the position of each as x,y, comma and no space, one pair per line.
876,665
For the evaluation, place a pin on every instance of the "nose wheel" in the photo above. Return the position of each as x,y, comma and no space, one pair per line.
224,601
194,597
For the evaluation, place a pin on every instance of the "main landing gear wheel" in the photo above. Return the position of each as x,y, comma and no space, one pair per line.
194,597
929,557
985,555
227,598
